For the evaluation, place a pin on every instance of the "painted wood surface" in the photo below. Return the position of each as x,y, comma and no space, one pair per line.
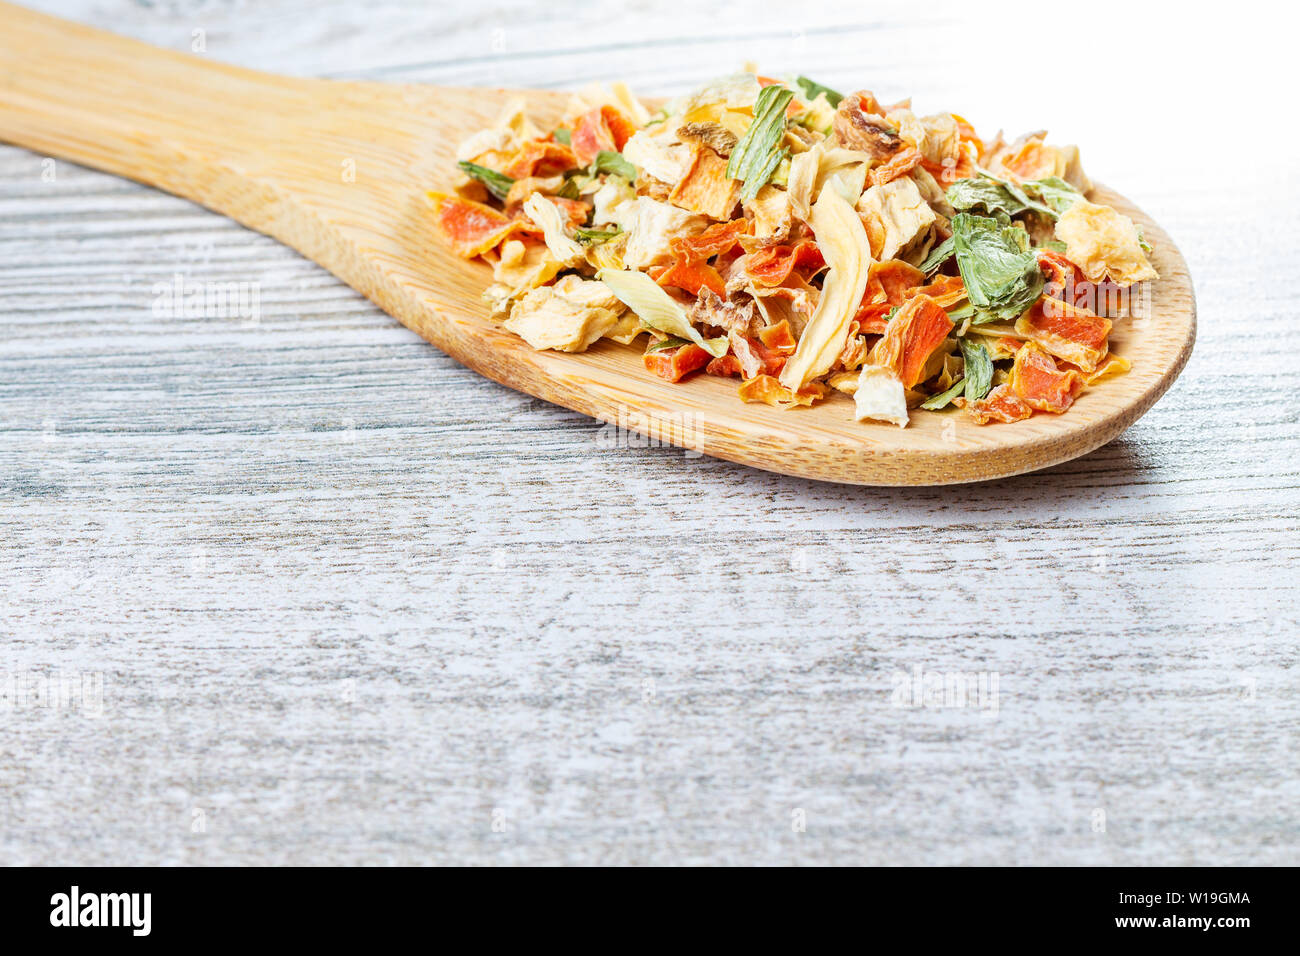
297,587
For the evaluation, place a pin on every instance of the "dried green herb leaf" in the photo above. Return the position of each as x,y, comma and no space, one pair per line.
608,161
979,369
811,89
1053,191
938,256
936,402
983,196
1000,272
592,237
1018,194
757,155
672,342
498,184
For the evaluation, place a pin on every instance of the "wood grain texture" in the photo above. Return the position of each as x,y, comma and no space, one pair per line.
348,598
271,152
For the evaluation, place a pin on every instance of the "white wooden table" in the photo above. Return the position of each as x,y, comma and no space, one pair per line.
303,590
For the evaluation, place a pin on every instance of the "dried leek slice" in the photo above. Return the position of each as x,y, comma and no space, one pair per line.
843,244
547,215
657,309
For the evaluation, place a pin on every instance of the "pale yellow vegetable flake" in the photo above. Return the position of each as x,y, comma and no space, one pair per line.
567,316
548,216
898,220
1103,243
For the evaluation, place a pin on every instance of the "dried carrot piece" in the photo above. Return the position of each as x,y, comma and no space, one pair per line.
896,278
902,163
541,157
620,127
674,364
999,405
692,277
1036,379
1063,276
602,129
888,284
779,338
767,390
719,238
772,265
945,290
575,210
1033,160
916,330
706,188
945,175
966,133
765,355
727,366
471,228
1076,335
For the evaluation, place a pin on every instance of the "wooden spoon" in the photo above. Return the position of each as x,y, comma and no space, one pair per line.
340,170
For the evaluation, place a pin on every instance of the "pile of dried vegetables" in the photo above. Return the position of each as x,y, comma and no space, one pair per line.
800,241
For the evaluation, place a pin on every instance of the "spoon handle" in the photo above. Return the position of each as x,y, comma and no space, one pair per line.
172,120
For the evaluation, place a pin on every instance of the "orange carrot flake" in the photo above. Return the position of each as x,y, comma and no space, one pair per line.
620,127
1036,380
999,405
471,228
1068,332
966,133
779,338
541,157
772,265
674,364
1032,161
946,290
1064,279
692,277
575,210
602,129
902,163
719,238
887,285
767,390
727,366
916,330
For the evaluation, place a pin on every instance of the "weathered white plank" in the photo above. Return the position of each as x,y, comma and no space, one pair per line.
347,599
